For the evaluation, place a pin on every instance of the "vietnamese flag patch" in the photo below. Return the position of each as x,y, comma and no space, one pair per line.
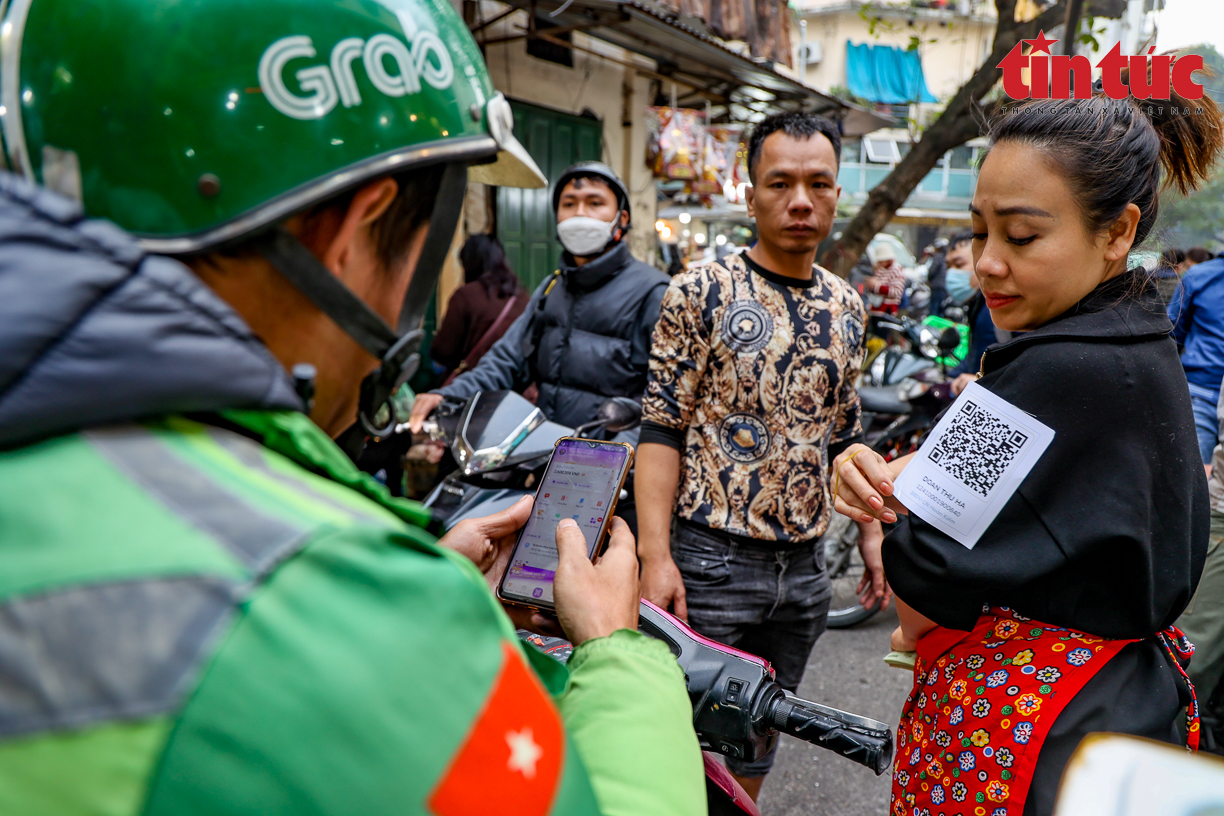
511,761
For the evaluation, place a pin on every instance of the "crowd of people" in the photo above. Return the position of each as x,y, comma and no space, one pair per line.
208,608
730,492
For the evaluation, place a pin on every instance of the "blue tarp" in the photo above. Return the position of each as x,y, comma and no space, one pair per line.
884,73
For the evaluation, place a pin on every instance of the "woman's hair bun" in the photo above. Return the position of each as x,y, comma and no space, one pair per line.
1190,134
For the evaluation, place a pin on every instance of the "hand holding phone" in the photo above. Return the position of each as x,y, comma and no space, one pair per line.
581,483
595,599
488,541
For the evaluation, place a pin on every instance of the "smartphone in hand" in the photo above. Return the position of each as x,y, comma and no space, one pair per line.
582,482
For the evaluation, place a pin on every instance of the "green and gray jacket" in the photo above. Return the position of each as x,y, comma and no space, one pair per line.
205,608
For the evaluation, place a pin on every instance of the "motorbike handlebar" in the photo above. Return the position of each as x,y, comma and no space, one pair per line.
858,739
739,708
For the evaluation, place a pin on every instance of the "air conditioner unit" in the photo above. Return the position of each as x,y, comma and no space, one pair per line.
811,53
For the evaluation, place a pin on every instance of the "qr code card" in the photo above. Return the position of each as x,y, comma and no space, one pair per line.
971,464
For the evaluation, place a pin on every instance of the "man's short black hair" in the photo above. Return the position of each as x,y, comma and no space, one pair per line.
962,237
578,179
796,124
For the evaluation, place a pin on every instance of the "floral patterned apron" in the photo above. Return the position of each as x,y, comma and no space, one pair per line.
984,701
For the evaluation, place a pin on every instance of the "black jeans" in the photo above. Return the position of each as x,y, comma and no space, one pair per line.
771,603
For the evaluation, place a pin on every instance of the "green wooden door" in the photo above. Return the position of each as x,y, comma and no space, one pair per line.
525,223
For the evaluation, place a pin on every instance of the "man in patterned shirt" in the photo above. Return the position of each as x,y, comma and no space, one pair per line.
750,396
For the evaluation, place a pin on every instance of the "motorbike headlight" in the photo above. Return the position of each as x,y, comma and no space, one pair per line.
928,343
877,370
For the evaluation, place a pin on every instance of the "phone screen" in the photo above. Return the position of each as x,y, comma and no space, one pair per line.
581,482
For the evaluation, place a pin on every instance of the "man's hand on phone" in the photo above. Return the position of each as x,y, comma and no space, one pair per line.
594,600
489,540
422,407
488,543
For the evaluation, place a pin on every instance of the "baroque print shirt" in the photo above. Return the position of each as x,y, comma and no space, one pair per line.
752,378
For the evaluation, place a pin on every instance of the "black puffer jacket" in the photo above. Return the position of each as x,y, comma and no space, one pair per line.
588,340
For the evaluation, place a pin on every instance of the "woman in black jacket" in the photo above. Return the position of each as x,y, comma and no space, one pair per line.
1054,625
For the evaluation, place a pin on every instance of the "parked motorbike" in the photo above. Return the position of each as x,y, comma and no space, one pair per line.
501,444
914,347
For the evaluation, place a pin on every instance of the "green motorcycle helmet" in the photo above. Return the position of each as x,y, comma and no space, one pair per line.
199,124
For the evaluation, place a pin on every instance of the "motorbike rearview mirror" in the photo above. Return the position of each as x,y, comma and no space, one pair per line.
949,339
620,414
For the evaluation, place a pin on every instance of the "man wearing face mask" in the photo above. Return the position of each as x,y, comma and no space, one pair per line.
959,271
585,335
963,291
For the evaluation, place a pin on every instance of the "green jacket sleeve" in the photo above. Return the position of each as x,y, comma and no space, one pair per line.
628,713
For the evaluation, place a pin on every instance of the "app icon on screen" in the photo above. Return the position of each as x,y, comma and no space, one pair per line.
537,592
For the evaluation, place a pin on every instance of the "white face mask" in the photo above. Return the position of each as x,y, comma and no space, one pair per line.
957,283
584,236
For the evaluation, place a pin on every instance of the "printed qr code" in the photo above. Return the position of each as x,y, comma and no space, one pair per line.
977,448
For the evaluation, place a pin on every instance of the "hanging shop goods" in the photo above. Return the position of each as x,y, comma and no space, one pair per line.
725,158
681,147
674,142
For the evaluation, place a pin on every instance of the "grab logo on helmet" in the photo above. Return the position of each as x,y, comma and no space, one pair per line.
425,59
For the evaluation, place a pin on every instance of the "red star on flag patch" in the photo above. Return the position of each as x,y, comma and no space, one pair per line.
511,760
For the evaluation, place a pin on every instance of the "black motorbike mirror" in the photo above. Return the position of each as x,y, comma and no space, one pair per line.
949,339
955,313
615,415
620,414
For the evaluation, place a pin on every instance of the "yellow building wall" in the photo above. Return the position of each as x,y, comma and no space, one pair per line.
947,63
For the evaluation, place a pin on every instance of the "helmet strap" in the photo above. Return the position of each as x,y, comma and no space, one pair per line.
397,350
622,228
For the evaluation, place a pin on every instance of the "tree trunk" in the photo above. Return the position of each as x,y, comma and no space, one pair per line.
961,121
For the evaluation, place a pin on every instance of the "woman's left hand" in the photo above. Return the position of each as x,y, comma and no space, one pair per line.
863,486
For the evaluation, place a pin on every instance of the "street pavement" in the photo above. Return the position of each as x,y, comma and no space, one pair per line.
846,671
